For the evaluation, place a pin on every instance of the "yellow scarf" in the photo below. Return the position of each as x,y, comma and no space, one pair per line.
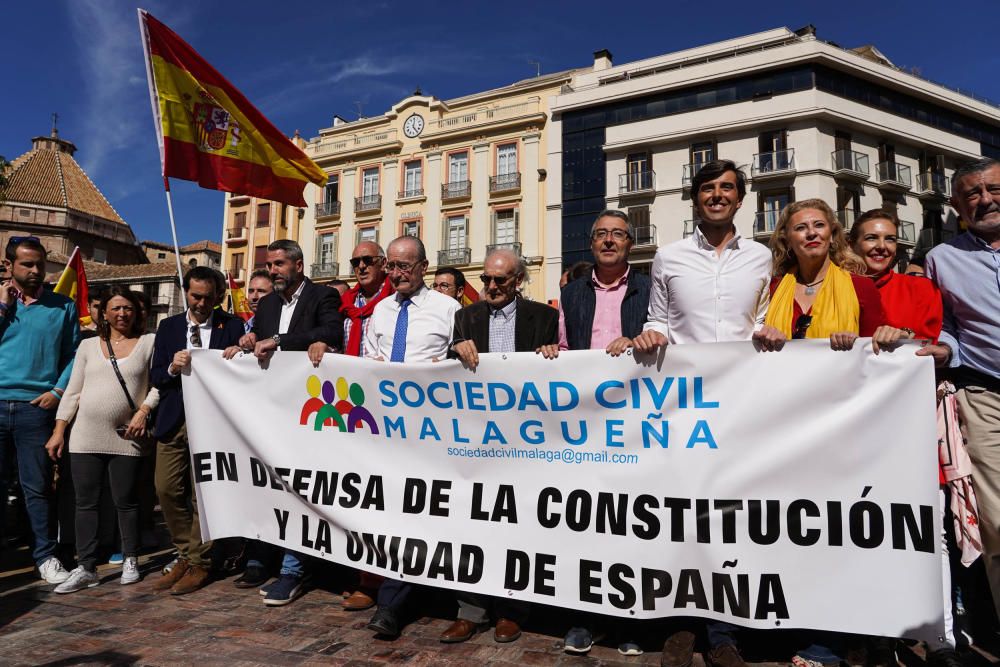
836,307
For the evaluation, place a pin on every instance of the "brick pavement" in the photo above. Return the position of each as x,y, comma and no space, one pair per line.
220,625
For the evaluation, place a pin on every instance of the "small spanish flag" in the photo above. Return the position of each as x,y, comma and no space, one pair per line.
210,133
469,295
238,299
73,284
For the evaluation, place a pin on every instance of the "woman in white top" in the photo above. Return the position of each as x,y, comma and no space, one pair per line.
106,425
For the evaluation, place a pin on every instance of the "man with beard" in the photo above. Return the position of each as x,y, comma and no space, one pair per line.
201,326
967,271
39,333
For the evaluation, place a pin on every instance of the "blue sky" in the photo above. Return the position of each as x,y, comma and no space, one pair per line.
303,62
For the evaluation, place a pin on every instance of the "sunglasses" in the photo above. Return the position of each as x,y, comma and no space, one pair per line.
14,240
801,326
499,280
368,260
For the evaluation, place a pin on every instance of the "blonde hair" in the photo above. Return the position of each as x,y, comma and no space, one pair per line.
784,260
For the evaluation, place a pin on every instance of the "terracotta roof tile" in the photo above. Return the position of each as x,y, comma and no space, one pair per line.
131,271
202,245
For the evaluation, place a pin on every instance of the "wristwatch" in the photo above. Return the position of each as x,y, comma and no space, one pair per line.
277,340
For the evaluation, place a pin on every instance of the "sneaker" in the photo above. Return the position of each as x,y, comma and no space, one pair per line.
116,558
53,572
578,640
130,571
266,588
284,590
630,648
77,580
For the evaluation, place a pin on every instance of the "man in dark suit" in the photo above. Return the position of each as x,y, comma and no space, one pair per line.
201,326
298,315
501,322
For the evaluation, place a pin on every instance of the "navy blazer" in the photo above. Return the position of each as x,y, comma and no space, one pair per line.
171,337
535,324
316,318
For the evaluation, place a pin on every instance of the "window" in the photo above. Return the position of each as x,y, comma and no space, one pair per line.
640,177
101,255
264,215
770,205
639,217
326,249
370,184
240,220
161,255
454,232
413,182
236,263
368,234
332,190
505,227
458,167
701,153
259,257
411,228
506,159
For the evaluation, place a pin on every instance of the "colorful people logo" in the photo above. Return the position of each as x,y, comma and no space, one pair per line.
342,406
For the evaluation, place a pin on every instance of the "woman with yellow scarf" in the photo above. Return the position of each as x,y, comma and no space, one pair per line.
819,289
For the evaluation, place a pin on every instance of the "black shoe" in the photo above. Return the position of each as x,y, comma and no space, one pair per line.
252,577
945,657
384,622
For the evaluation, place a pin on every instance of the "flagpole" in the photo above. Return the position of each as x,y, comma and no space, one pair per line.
173,231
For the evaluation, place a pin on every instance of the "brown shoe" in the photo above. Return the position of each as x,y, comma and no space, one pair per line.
195,577
725,656
358,601
678,650
172,577
507,631
460,631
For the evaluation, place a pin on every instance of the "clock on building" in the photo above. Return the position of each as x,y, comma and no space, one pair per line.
413,126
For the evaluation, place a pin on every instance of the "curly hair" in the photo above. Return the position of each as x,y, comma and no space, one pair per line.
784,259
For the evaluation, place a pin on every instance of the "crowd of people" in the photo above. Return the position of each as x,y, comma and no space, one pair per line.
116,398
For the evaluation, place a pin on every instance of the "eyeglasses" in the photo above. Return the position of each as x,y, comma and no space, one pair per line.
402,267
367,260
801,326
442,285
499,280
616,234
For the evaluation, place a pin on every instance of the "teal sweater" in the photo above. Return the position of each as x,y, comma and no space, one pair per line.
37,346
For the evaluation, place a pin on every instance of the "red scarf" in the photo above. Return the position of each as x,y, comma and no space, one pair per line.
356,314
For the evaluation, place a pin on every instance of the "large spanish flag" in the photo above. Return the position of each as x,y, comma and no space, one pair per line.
210,133
73,284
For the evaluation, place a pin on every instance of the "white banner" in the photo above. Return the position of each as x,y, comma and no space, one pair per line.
771,490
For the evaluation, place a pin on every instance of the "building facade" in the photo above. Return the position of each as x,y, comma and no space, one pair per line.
157,280
464,175
201,253
803,117
50,196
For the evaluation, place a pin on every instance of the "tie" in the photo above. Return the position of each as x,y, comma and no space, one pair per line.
399,335
195,336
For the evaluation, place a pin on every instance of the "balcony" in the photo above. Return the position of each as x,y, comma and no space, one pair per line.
238,199
236,235
689,226
636,182
688,173
850,164
505,182
325,270
412,193
511,245
765,222
645,235
357,144
327,209
456,190
931,185
454,256
498,117
907,233
893,175
773,165
368,204
847,217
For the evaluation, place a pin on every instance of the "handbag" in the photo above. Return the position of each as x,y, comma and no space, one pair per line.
145,443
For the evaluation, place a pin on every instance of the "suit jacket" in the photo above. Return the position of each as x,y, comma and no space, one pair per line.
535,324
171,337
316,318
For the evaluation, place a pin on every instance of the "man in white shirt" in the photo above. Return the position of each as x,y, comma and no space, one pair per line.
413,325
416,324
710,287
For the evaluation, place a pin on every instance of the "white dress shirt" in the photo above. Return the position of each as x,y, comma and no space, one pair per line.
288,308
701,296
205,329
430,323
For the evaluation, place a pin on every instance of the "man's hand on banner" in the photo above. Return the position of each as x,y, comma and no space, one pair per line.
888,337
548,351
232,351
181,362
316,352
264,348
768,339
940,352
467,352
649,341
248,342
618,346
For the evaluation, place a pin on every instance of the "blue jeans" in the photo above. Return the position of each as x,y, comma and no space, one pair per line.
28,428
293,563
720,634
